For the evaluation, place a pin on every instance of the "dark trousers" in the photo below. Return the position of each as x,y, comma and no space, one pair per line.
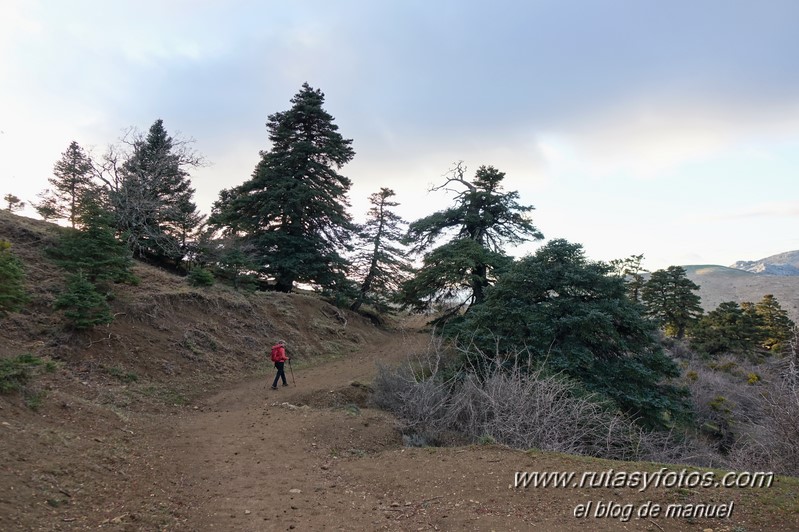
280,374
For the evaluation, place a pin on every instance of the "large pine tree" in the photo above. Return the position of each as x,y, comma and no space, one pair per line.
570,315
483,220
293,210
152,197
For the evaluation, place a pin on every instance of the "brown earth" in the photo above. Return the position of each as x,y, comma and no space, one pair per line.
164,421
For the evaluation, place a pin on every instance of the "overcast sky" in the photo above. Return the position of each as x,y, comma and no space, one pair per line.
668,128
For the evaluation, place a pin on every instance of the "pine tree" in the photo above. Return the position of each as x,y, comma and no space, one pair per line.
12,281
483,220
381,261
729,328
83,306
632,272
152,196
777,326
572,317
293,210
71,182
13,203
94,249
669,299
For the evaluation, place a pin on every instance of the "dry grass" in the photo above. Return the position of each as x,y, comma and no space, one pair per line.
518,406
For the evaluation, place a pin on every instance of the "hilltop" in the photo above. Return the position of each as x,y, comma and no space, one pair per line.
162,420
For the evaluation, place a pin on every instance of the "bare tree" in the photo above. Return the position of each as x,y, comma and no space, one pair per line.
149,191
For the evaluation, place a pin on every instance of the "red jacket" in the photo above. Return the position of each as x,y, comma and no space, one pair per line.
279,353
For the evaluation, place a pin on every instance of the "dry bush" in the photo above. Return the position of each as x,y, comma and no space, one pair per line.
515,405
748,412
769,440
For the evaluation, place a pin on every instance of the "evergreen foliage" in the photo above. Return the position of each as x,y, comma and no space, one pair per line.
380,260
200,277
729,328
152,196
670,300
743,329
236,266
778,328
571,315
632,272
12,281
16,372
13,203
293,210
71,182
483,220
94,250
83,306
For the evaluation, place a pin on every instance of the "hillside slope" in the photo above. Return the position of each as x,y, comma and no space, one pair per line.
163,420
718,284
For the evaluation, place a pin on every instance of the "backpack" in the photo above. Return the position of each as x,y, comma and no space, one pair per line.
275,353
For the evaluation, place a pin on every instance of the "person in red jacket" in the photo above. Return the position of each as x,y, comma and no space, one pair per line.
279,358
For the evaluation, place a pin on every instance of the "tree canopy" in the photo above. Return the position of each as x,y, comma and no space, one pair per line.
151,195
380,260
559,309
93,250
293,210
71,181
483,220
670,300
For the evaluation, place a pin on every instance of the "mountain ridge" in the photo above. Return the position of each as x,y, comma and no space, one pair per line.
782,264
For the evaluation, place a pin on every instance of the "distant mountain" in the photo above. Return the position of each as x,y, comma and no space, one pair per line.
782,264
718,284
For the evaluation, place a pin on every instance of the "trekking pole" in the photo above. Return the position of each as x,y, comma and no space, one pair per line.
292,374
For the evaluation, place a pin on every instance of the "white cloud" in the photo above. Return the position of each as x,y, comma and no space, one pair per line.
648,141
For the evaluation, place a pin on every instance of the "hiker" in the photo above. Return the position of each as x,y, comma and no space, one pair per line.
279,358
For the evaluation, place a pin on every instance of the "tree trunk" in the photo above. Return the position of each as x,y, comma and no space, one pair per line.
284,283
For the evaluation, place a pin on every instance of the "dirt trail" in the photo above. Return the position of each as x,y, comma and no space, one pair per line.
250,458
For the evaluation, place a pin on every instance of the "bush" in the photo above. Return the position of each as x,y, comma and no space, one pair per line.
84,307
17,371
512,405
200,277
768,440
12,281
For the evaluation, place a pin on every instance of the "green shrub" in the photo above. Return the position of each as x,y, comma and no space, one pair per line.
124,376
17,371
83,306
200,277
12,281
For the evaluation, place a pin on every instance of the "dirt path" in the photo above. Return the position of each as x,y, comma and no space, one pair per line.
250,458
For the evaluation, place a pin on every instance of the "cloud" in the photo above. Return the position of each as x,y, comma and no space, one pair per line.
777,209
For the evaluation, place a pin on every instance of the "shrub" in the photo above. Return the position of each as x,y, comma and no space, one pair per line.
12,281
200,277
768,440
17,371
94,249
513,405
84,307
